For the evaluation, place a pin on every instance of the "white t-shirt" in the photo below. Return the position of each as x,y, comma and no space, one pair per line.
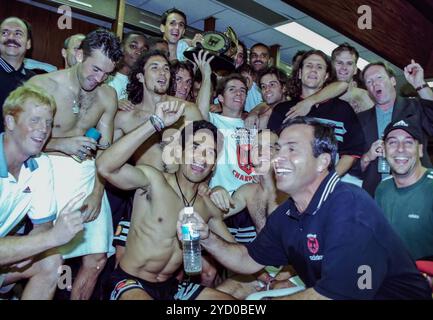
31,194
119,82
234,167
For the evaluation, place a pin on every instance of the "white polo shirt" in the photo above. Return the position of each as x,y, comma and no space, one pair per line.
31,194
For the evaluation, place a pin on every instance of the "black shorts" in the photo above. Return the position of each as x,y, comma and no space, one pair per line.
171,289
242,227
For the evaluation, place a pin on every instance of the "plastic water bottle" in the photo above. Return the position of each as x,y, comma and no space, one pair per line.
382,165
90,133
191,243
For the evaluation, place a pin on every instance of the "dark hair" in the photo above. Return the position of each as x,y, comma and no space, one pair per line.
136,33
345,47
170,11
297,54
244,47
324,137
223,82
198,78
174,69
280,74
200,125
153,41
104,40
68,39
295,84
26,23
246,67
390,72
135,87
259,44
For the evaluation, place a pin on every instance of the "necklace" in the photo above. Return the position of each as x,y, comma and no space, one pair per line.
76,106
186,203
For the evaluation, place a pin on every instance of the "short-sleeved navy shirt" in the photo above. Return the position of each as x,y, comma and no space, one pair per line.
340,245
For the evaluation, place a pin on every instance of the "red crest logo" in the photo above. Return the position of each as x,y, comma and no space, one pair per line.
243,152
312,244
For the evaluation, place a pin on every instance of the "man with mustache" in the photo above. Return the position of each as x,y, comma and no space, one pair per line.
84,102
15,40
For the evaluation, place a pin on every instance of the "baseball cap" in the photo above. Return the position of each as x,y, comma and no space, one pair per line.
406,124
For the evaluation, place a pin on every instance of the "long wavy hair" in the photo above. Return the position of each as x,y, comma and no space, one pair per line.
135,87
295,84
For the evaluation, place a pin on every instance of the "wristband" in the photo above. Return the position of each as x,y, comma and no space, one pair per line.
425,85
157,122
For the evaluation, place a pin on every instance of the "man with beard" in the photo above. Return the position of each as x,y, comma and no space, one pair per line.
406,197
83,102
153,255
15,40
70,49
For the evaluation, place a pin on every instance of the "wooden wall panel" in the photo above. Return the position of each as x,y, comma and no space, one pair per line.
47,37
399,30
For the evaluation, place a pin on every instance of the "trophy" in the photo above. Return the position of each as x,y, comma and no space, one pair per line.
221,45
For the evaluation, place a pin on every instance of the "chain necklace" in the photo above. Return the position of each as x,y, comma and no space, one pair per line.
186,203
76,105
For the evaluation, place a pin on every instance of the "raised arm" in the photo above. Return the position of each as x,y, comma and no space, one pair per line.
414,74
204,95
332,90
112,163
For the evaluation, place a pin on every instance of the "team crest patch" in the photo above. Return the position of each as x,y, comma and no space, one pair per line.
312,243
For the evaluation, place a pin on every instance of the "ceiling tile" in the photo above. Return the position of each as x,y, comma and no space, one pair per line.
241,24
271,37
318,27
282,8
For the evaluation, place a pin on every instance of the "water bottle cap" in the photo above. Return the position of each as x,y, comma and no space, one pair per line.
188,210
93,133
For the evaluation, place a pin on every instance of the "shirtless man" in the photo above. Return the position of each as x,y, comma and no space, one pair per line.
148,85
153,254
83,103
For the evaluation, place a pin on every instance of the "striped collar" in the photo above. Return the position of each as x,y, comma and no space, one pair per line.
322,194
9,69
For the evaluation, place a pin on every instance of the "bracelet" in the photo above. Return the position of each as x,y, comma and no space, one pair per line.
157,122
425,85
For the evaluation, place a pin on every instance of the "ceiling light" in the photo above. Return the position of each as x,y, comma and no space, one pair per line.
312,39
